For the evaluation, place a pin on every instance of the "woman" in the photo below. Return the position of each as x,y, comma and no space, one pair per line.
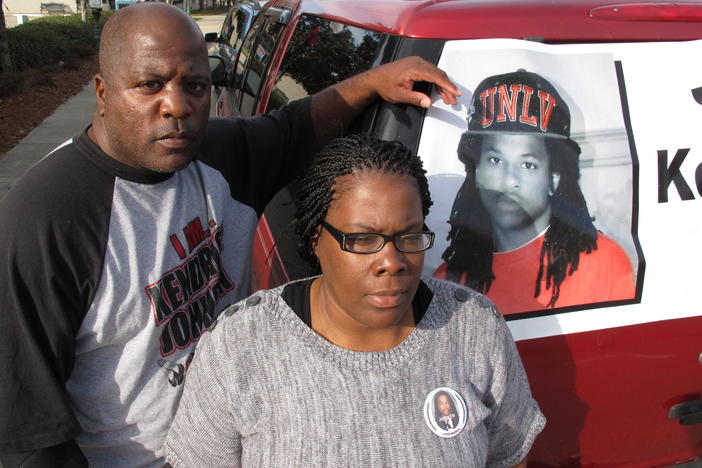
342,368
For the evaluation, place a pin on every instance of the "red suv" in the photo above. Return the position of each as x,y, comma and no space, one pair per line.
616,362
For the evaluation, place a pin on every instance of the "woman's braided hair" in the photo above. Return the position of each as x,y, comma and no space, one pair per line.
570,232
342,156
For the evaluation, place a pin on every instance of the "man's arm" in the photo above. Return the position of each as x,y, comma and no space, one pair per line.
258,156
53,231
334,108
65,455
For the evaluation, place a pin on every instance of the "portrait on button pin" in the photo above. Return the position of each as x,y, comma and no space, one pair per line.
532,178
445,412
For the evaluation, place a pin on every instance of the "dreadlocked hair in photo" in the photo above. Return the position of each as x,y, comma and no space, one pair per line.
570,232
342,156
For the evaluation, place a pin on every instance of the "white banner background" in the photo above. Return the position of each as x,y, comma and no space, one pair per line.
658,78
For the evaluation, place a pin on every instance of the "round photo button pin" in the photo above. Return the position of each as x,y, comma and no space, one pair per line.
445,412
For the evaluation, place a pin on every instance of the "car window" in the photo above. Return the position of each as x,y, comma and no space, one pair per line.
322,53
236,28
260,52
227,26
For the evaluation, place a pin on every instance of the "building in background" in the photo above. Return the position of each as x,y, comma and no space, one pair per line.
21,11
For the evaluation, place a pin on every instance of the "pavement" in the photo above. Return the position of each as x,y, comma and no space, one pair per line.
211,23
68,120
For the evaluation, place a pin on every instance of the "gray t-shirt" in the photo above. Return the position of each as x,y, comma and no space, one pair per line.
265,390
108,285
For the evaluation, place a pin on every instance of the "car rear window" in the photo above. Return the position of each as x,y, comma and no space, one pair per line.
322,53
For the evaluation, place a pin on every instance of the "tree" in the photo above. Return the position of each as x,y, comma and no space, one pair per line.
84,9
320,55
5,62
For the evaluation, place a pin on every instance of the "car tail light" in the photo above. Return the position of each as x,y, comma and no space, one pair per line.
649,12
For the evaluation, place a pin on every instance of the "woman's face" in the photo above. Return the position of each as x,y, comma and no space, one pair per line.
515,181
371,291
444,404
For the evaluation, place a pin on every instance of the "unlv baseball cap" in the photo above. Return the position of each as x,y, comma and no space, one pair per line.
519,102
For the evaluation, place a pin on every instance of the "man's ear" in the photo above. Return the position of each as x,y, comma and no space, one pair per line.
99,83
555,180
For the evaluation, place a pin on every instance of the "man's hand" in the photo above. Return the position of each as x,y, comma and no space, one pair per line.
333,108
394,81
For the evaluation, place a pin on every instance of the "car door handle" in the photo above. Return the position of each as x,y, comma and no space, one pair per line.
688,413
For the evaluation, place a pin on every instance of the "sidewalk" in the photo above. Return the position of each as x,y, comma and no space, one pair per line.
67,121
210,23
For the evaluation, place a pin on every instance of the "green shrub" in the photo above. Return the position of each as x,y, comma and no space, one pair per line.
49,40
75,20
70,19
103,17
35,44
83,50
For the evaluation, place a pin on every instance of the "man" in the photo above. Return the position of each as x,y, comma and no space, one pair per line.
445,412
520,228
121,247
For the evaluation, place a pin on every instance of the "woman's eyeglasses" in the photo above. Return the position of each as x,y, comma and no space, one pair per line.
369,242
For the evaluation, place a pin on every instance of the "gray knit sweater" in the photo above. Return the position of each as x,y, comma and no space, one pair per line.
264,390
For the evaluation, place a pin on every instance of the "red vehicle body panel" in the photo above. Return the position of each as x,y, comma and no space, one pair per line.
577,377
605,392
553,20
269,269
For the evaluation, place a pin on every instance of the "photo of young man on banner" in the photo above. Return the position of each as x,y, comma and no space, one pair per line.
520,230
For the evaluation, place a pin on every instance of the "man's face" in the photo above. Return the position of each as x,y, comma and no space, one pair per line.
155,101
444,405
515,183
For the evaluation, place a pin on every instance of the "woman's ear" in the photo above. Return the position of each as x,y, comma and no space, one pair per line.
314,240
555,180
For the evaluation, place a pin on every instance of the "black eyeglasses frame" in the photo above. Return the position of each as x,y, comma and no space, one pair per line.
341,236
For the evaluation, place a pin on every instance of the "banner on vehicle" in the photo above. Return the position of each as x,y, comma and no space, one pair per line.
567,182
